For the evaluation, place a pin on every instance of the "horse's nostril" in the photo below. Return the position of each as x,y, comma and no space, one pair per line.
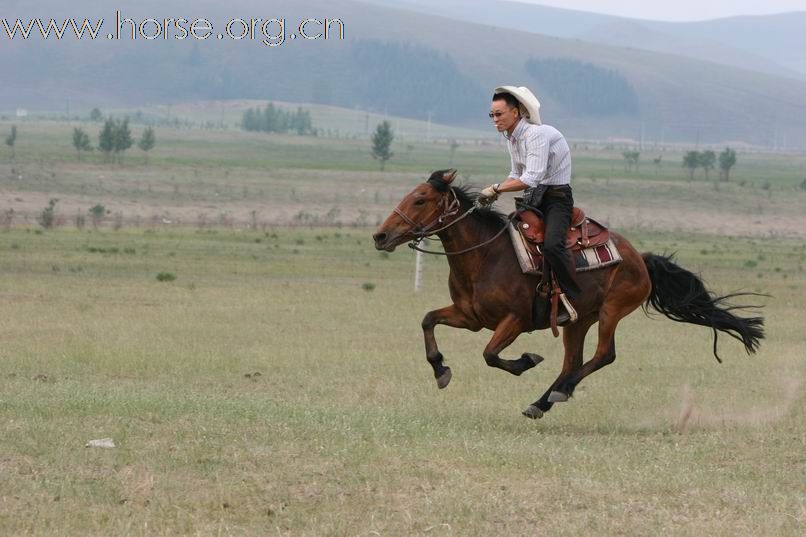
379,237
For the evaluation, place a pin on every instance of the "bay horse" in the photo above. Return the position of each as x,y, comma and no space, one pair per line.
489,290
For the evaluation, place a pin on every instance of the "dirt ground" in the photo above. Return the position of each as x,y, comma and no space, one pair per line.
292,198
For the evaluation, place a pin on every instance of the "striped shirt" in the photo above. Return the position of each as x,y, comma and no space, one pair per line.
539,155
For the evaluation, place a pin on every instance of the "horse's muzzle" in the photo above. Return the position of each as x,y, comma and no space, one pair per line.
383,242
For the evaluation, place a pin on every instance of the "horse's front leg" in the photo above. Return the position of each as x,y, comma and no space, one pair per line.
506,332
450,316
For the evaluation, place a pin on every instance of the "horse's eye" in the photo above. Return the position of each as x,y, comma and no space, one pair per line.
419,202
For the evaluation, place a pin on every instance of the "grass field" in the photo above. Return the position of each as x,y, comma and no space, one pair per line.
275,383
201,177
50,143
266,392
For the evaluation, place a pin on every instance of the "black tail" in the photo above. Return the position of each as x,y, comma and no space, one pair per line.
682,296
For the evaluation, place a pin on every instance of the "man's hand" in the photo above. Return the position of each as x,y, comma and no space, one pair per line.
489,194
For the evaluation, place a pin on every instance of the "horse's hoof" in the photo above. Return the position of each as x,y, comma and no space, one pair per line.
535,358
533,412
558,397
444,379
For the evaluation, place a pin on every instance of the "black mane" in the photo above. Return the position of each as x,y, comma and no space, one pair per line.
486,216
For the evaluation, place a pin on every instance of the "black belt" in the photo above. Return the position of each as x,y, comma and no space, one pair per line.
533,196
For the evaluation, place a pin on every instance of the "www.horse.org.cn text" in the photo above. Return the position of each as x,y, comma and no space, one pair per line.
271,32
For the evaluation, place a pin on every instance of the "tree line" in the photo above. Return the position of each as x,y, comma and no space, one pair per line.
413,80
273,119
708,160
584,88
114,140
692,161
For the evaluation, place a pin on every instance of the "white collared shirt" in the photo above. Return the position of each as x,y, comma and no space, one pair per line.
539,154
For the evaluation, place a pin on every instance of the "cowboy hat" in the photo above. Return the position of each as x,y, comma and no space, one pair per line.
529,105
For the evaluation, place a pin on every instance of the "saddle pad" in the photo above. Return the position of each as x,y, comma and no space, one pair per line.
597,257
586,259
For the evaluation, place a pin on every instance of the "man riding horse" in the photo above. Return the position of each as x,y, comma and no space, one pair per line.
490,288
541,165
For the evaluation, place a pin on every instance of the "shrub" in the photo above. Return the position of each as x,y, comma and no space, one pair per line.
48,215
97,213
166,277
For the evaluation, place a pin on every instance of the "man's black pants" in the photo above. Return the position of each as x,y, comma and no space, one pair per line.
557,205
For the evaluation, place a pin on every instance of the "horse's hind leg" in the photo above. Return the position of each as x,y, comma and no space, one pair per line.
573,342
506,332
450,316
629,290
605,354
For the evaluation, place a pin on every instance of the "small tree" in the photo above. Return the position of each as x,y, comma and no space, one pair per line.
707,161
727,160
48,216
381,143
691,161
106,138
95,115
81,141
301,121
631,159
147,141
11,140
122,138
250,120
97,213
271,119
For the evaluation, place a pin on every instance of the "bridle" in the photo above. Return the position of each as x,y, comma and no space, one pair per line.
451,207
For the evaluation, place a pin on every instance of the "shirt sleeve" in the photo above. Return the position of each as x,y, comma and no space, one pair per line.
537,156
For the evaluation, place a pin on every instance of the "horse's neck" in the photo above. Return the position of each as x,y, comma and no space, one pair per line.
460,237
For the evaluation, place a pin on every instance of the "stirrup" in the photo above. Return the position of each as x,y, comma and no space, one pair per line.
570,314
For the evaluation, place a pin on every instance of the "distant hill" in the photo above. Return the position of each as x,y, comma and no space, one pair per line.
403,63
772,44
626,33
779,38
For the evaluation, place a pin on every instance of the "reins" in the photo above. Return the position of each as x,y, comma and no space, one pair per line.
452,208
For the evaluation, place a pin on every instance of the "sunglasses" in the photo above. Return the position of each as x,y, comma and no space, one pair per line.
496,114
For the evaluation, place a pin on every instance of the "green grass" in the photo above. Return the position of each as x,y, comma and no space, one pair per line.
47,147
344,431
278,385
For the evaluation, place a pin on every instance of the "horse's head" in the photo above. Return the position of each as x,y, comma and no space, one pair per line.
421,211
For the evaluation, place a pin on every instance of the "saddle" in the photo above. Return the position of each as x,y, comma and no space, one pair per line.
585,232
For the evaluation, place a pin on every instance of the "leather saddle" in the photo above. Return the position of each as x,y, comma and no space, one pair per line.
585,232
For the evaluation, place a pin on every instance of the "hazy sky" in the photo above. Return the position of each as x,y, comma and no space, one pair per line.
677,10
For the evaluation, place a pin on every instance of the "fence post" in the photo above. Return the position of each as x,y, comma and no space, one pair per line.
418,268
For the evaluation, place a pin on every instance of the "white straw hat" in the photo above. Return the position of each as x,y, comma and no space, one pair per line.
529,105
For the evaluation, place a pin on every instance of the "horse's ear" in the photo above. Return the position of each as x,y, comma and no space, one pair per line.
441,180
